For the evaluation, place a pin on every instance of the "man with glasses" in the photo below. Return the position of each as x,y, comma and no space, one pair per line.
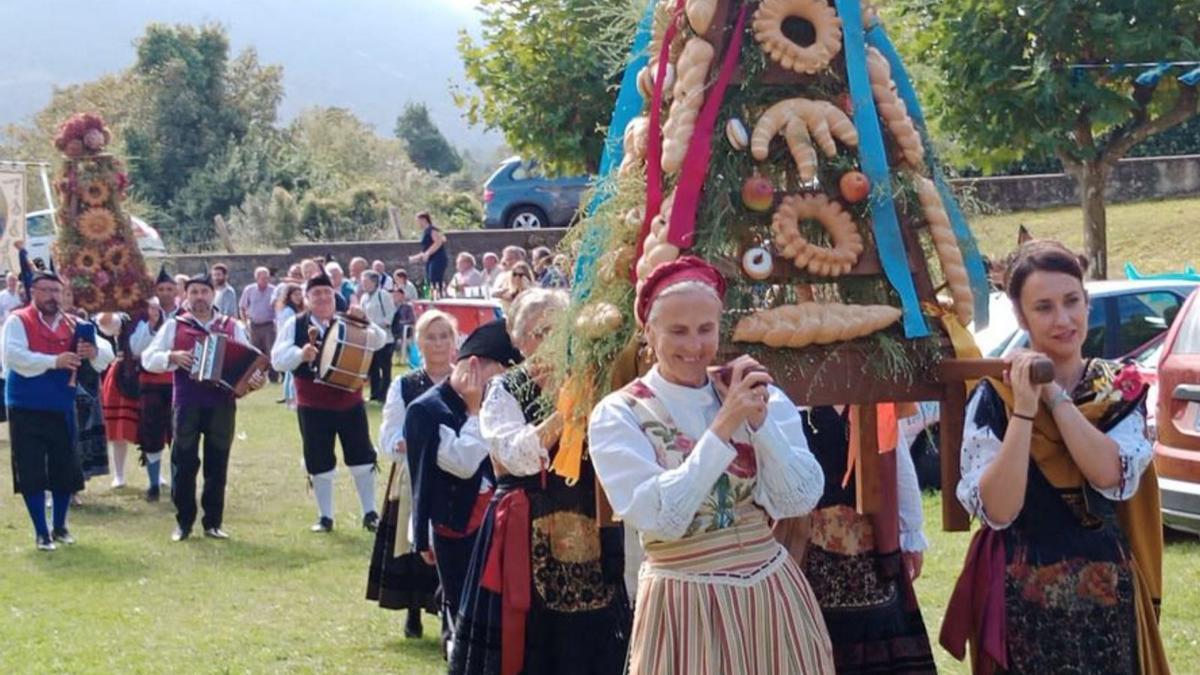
41,354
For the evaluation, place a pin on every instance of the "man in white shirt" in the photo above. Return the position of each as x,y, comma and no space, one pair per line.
200,409
41,353
327,413
10,297
379,308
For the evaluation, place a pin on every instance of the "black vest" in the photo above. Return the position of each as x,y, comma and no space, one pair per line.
413,385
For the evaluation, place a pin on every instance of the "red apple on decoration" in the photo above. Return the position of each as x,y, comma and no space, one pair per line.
758,194
854,186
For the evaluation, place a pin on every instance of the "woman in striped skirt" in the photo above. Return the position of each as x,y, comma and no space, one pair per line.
701,466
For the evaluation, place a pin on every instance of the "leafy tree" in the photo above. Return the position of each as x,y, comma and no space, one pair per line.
543,79
427,147
1034,80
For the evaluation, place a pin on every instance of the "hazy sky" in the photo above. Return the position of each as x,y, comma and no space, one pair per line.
367,55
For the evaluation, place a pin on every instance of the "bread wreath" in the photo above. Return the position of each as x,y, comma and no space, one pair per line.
809,323
819,260
768,30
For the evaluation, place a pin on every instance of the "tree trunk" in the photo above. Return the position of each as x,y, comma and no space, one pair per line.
1093,179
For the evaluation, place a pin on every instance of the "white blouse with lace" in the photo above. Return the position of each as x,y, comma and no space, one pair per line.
661,503
514,442
981,447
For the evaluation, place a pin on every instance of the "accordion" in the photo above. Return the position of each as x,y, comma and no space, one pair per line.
226,363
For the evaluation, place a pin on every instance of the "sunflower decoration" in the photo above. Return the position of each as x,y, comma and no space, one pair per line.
86,297
87,261
127,295
97,224
116,259
96,193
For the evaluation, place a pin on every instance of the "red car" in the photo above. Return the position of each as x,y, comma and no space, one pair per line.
1177,451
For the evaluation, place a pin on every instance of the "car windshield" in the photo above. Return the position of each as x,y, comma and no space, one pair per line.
39,225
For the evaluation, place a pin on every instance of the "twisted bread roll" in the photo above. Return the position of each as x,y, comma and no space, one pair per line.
636,134
803,120
819,260
808,323
598,319
656,249
691,77
946,245
892,110
700,14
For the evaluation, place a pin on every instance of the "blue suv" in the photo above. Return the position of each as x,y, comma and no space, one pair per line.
519,196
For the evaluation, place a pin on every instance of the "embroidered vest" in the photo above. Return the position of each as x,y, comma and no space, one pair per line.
733,491
188,392
309,392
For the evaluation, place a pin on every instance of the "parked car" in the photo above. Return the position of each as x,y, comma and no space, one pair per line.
1177,450
519,195
39,235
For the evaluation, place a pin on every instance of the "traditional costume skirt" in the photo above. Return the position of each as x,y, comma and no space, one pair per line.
91,442
120,411
545,592
868,605
727,601
398,578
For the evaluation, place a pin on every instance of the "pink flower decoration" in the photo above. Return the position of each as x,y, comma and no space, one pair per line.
745,465
102,278
683,444
639,390
1129,382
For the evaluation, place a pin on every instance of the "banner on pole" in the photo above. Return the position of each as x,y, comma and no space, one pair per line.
12,216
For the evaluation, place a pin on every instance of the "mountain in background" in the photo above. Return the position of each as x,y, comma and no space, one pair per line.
370,56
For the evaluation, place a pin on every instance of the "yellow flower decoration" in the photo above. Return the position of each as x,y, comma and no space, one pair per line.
97,224
116,259
127,295
87,260
95,193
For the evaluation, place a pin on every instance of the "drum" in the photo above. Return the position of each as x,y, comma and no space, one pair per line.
225,363
344,359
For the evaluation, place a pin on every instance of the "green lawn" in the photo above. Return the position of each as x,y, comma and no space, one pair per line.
276,598
1157,236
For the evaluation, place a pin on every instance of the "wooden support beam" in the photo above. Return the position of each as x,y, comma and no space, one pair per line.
867,473
953,409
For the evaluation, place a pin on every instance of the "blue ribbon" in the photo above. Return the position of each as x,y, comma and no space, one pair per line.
1190,78
873,156
976,270
629,105
1151,77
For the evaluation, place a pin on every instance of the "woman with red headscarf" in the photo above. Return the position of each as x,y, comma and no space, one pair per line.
700,462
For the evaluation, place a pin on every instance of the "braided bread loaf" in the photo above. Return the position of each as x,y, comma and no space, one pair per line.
636,134
946,245
892,110
809,323
692,76
656,249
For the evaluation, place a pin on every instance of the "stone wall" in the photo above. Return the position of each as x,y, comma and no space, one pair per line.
393,253
1133,180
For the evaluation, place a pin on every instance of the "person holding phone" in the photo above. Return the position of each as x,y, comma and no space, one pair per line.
41,356
701,466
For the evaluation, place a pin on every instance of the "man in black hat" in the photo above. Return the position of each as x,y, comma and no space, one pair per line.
327,412
154,389
200,409
41,353
452,482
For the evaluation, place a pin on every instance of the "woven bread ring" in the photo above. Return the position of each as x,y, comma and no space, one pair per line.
819,260
768,30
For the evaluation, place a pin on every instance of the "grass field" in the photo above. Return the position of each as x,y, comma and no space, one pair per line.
276,598
1157,236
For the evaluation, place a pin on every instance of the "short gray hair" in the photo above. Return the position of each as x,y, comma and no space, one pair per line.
678,289
531,305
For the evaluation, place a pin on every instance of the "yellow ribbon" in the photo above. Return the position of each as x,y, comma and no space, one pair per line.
570,444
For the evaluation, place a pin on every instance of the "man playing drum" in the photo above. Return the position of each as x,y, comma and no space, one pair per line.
201,409
325,410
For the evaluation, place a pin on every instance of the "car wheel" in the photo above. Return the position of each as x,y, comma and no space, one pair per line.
527,218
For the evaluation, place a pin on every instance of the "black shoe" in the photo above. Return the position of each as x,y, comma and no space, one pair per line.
412,627
153,494
216,533
62,536
371,521
322,526
45,543
180,534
